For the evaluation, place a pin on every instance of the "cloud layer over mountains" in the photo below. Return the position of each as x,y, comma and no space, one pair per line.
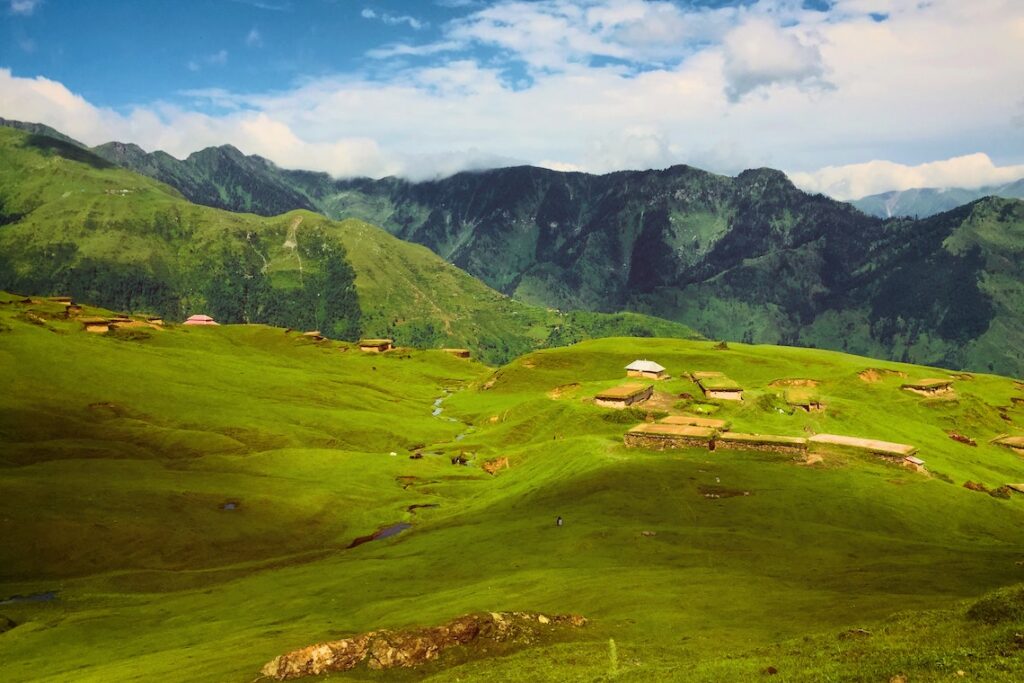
863,97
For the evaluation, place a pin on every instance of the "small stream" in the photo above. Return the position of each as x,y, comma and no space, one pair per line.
438,408
46,596
386,532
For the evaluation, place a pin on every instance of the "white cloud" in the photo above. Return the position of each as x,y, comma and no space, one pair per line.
940,81
219,58
759,54
24,7
393,19
254,38
854,181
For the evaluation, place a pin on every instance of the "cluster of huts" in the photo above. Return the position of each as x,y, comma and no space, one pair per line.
683,431
714,385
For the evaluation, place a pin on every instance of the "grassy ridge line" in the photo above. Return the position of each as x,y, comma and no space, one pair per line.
75,224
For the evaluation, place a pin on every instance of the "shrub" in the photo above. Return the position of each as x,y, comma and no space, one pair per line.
998,607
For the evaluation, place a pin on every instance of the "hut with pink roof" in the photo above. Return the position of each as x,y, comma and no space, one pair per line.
200,320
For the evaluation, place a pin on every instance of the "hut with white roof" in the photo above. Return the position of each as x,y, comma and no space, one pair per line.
647,369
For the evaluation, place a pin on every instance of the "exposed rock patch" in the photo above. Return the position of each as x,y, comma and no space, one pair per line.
1001,492
407,648
872,375
492,466
957,436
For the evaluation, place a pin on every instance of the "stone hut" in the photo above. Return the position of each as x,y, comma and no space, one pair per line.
647,369
660,436
769,443
624,396
885,449
376,345
1016,443
930,387
95,325
717,385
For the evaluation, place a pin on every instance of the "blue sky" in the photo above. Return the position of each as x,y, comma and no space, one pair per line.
848,96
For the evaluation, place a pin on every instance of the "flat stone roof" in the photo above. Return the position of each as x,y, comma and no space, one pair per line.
740,437
694,421
872,445
623,391
662,429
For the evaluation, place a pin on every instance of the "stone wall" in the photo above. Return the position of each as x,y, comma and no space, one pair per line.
659,442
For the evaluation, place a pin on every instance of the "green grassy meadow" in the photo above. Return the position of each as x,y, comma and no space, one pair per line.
118,451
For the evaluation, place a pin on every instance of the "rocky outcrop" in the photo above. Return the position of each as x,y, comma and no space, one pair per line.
412,647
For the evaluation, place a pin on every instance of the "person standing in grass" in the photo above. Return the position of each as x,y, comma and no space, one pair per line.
558,521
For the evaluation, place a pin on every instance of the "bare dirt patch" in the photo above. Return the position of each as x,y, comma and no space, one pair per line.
492,466
563,390
872,375
795,383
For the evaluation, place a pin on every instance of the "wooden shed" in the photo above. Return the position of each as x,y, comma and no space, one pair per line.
929,387
376,345
458,353
624,395
314,335
647,369
717,385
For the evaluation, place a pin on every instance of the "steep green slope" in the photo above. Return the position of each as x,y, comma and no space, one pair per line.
121,454
928,201
75,224
747,258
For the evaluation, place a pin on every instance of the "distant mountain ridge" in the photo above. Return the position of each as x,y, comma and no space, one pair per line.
924,202
748,258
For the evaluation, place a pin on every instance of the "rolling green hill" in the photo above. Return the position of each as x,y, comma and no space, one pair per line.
179,503
749,258
73,223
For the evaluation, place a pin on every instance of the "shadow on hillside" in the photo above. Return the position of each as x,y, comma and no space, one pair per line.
67,150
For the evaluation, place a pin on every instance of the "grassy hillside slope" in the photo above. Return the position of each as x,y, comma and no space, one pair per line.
72,223
121,452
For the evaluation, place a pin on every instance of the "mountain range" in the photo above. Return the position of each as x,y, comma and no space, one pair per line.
72,223
928,201
748,258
